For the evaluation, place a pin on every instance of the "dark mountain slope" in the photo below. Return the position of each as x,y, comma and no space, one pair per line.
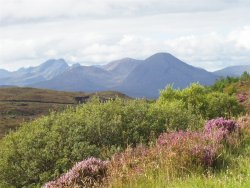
159,70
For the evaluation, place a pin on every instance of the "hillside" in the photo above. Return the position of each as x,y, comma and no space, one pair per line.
233,71
19,105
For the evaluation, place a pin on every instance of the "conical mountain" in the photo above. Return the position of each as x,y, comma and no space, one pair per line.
159,70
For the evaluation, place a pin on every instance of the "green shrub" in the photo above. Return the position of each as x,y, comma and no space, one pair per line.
222,105
228,84
200,100
174,116
42,150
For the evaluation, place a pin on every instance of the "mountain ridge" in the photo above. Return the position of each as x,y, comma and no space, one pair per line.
233,70
137,78
30,75
159,70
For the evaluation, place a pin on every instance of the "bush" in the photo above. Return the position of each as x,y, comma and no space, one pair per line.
174,116
225,131
222,105
223,83
227,126
192,148
200,100
193,98
42,150
36,154
88,173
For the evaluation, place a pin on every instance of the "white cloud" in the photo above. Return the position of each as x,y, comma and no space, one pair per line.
14,11
208,33
242,37
211,51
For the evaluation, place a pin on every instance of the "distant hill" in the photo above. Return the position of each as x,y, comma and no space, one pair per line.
19,105
159,70
4,73
26,76
91,78
234,71
80,78
6,86
137,78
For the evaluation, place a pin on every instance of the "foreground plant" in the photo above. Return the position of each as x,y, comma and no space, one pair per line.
88,173
177,154
191,148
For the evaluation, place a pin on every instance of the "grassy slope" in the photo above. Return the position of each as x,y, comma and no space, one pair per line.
237,174
18,105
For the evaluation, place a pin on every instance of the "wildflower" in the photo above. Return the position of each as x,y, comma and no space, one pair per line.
85,173
218,129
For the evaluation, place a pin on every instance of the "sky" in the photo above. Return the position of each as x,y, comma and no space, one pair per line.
211,34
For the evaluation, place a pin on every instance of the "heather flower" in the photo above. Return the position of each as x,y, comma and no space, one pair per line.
205,154
176,138
242,97
86,173
218,129
177,152
195,145
221,123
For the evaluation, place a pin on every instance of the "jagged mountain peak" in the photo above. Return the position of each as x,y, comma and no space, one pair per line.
137,78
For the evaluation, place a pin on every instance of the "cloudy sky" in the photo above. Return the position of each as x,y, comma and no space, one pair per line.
206,33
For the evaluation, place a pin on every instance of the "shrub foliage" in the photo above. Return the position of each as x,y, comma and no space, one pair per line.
42,150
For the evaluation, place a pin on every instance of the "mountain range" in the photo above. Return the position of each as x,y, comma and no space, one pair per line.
233,71
136,78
